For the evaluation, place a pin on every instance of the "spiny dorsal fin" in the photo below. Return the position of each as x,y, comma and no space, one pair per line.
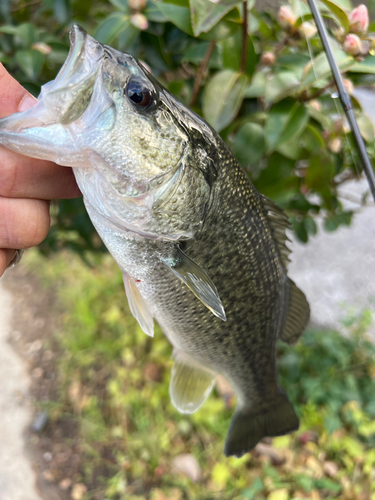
190,383
198,281
298,315
279,222
138,306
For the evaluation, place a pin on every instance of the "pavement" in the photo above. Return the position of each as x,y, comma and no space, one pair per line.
17,478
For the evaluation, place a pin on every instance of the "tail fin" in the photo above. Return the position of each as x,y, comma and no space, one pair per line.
248,428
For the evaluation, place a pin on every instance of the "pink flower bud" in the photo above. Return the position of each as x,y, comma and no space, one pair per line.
316,104
139,21
348,84
358,20
286,17
42,47
335,145
137,4
268,59
353,45
307,30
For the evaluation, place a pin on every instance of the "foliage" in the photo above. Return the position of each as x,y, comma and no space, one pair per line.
113,383
268,99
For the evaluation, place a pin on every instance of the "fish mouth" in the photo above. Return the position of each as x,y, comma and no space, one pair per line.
67,97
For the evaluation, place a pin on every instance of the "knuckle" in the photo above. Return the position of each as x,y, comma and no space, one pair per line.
8,176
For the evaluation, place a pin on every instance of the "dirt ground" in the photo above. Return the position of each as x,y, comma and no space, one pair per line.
35,316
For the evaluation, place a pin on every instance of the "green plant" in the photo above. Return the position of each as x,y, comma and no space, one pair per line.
113,385
265,89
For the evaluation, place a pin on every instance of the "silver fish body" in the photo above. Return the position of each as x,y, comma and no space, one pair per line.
201,251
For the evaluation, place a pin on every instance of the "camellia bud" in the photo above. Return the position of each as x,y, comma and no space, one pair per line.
316,104
358,20
335,145
42,47
353,45
286,17
340,34
137,4
307,30
139,21
348,84
268,59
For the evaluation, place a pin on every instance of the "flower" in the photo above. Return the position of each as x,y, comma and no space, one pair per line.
286,17
358,20
348,84
137,4
335,145
42,47
139,21
307,30
353,44
268,59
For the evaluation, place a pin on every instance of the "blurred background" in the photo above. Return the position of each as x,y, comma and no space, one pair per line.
93,389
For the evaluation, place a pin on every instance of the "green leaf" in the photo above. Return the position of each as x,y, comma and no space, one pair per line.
179,15
61,9
339,13
121,5
196,54
365,66
111,27
153,14
257,86
248,145
222,98
366,127
320,69
280,85
31,62
205,15
320,172
286,119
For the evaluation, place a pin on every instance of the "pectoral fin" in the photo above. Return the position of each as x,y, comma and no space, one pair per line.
198,281
138,306
190,384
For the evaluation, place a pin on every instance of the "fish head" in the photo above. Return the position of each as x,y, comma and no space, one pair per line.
130,142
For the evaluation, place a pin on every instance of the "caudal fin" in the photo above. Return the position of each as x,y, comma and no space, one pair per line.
248,428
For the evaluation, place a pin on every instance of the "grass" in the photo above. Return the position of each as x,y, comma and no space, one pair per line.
113,384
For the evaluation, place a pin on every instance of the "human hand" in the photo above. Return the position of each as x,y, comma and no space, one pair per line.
26,184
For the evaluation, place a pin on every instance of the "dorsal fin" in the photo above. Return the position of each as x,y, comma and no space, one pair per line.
279,222
298,315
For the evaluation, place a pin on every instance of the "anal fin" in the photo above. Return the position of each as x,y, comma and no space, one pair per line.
298,315
190,383
138,306
198,281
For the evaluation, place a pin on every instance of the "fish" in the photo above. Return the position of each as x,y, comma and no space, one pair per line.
202,252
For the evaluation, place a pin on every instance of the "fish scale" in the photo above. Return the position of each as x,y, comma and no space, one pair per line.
201,251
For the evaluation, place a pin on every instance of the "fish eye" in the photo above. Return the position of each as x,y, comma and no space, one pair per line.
138,94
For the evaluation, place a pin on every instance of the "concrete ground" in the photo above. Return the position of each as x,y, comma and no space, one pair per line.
17,478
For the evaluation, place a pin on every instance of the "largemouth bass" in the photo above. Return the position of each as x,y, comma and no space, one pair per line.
201,251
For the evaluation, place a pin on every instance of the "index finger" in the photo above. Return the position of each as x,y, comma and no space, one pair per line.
13,96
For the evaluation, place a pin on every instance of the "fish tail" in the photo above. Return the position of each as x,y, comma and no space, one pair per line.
247,427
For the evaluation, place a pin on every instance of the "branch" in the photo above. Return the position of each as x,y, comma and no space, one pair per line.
201,71
244,37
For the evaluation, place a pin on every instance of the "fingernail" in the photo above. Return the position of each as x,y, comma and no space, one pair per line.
27,102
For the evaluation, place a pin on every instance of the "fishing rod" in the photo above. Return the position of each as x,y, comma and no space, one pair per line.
344,98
